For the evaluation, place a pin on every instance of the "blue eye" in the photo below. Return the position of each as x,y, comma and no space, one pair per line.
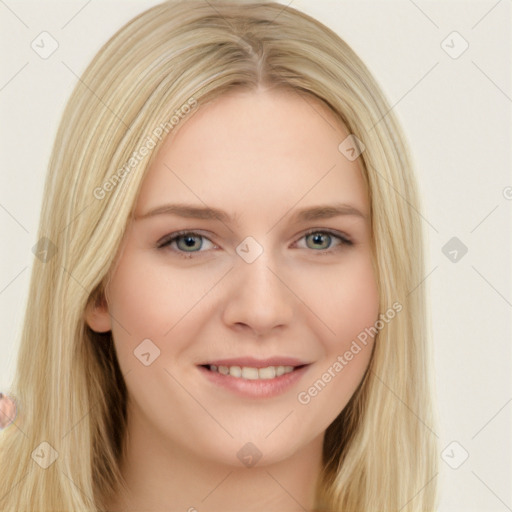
320,237
185,243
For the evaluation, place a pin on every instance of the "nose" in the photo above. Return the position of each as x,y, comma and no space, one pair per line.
259,299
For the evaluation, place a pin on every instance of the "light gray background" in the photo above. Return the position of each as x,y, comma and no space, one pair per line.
456,115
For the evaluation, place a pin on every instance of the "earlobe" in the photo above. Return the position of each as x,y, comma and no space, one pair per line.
97,315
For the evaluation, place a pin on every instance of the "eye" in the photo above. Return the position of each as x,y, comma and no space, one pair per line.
184,242
320,240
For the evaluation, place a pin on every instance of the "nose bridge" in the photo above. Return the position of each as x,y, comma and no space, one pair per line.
259,279
258,276
260,299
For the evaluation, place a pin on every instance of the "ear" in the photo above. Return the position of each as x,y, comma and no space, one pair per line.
97,315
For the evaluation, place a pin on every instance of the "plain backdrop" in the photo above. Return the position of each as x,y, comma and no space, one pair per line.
456,113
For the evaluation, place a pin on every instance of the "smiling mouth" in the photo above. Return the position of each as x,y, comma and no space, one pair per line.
252,373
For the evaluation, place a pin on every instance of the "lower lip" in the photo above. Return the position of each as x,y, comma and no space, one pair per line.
257,388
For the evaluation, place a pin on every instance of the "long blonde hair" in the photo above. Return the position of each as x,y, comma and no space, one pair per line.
380,454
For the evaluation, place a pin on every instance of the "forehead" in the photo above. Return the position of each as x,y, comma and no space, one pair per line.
255,152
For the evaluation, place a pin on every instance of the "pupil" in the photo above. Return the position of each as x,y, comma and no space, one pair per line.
189,241
317,238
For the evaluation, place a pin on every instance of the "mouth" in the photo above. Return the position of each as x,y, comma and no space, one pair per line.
251,378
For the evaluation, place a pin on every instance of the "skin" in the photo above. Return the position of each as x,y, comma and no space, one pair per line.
261,156
7,411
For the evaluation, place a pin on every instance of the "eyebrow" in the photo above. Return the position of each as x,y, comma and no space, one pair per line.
305,214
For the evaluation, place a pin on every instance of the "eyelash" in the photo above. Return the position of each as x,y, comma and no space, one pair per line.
169,239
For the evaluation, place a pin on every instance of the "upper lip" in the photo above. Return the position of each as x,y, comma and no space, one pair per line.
256,363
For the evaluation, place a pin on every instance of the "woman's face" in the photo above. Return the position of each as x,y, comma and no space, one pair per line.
280,280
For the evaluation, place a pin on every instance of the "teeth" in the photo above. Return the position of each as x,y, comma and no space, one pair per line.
267,373
280,370
250,373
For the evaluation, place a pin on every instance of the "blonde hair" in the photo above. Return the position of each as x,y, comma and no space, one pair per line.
380,454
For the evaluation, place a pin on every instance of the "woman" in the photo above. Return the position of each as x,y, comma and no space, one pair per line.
222,318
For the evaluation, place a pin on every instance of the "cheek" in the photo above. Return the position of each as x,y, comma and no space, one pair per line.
140,307
357,302
358,312
136,300
351,309
146,294
148,300
347,302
